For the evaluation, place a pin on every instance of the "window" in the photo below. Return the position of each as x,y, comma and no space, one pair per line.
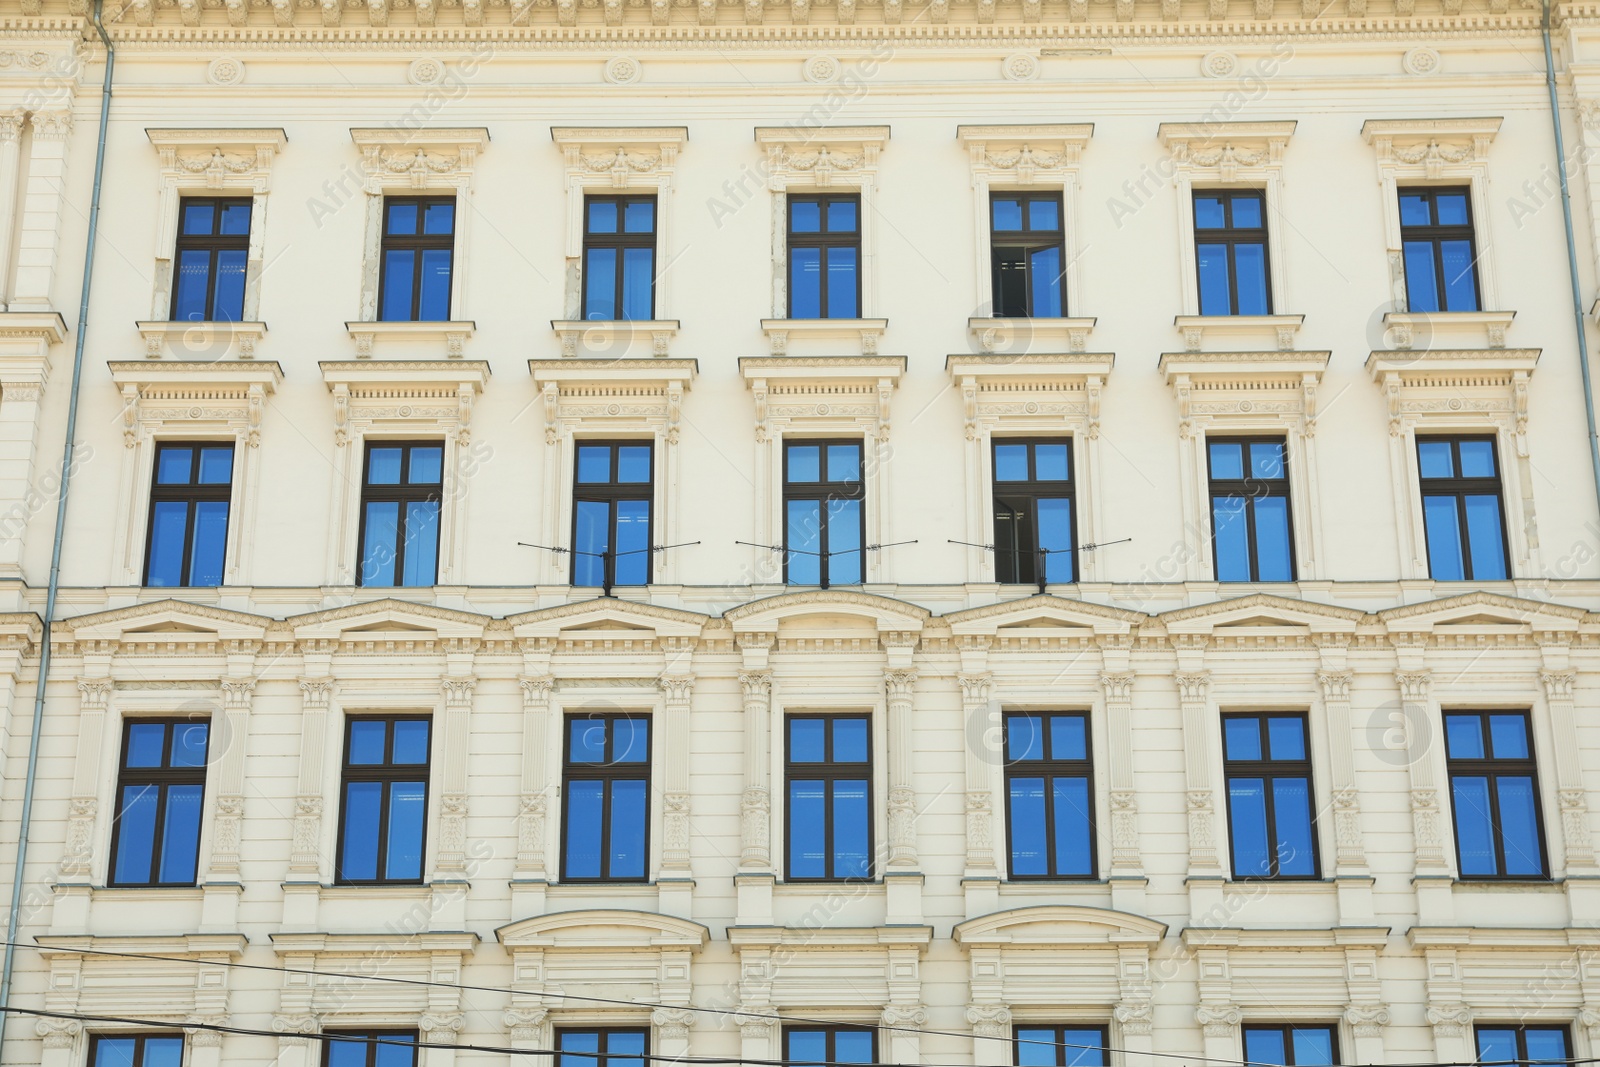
1494,793
824,257
213,247
1461,510
136,1050
828,775
419,239
611,514
161,788
400,497
1522,1044
1250,529
1291,1046
189,514
611,1047
1436,237
1027,241
1033,511
1049,795
1230,244
606,795
828,1044
824,524
385,787
619,258
1060,1046
370,1048
1268,773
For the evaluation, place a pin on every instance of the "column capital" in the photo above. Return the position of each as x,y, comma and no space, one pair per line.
678,688
1117,685
1335,684
536,688
901,684
757,685
1192,685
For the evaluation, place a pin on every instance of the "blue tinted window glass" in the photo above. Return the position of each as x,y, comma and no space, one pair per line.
844,463
1084,1048
803,538
216,465
228,302
852,823
1519,825
411,741
852,1046
633,542
1036,1048
1232,538
1046,266
163,1052
1440,519
402,218
629,816
180,834
1435,459
1460,287
844,541
189,744
602,216
362,803
1247,809
1028,838
398,266
1452,209
1068,737
383,466
1227,460
1055,536
841,283
594,463
167,527
1024,737
1291,811
210,542
805,283
1414,211
440,218
639,216
199,217
806,740
113,1052
805,216
396,1050
1010,463
435,303
586,740
850,740
585,820
383,535
842,216
1474,829
1050,463
1266,459
147,743
1509,736
1497,1045
579,1042
1209,213
1074,829
625,1044
1246,213
422,542
1044,215
1250,262
1422,283
633,464
1264,1046
427,465
1546,1044
1007,214
1213,272
174,466
136,834
1286,737
808,853
1477,459
193,276
600,283
367,740
1272,539
1484,537
1241,738
630,740
1463,736
805,463
1313,1046
638,279
593,539
808,1046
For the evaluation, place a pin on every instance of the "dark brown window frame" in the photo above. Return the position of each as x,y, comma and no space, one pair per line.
1521,1029
611,492
138,1038
1493,767
1029,240
1232,236
1288,1029
371,1039
161,777
1032,490
823,239
191,493
1461,488
829,771
211,243
415,242
387,772
403,492
608,770
1268,769
832,1030
824,490
620,241
1250,488
1058,1034
1051,769
603,1057
1435,234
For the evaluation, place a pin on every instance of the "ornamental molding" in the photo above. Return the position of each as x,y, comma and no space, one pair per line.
1025,154
169,395
579,394
1430,148
764,614
619,157
218,158
1468,387
414,395
1033,391
852,391
1263,609
1031,610
821,156
396,157
1226,151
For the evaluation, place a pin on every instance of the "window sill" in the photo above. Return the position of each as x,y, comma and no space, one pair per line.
1240,332
612,337
866,332
453,335
205,341
1020,335
1446,329
1517,885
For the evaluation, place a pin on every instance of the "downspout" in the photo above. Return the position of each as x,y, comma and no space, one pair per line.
14,915
1572,254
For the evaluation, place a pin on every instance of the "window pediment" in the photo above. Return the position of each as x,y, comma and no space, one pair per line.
598,616
821,157
1482,609
372,626
620,157
218,158
162,395
765,615
394,158
1039,613
1244,386
1052,925
616,929
822,390
1030,391
1466,386
1260,611
158,624
1226,151
1430,148
582,394
1025,154
422,395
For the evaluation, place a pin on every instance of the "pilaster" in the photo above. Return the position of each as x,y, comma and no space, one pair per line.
531,875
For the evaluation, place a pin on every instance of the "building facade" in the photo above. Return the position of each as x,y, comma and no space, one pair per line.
1004,532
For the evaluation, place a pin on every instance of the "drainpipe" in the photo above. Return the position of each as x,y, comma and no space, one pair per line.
14,916
1572,254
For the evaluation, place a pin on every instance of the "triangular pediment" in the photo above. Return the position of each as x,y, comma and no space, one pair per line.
884,613
608,615
603,928
1055,925
1480,610
1261,611
1043,613
389,617
160,618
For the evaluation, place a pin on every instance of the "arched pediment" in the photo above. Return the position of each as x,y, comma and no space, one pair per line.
885,614
165,619
603,928
608,614
1261,611
1482,609
1043,612
388,617
1051,925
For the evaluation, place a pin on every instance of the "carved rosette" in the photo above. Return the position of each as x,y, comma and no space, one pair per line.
755,809
989,1020
1218,1020
1367,1020
1449,1020
672,1024
1135,1016
527,1025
